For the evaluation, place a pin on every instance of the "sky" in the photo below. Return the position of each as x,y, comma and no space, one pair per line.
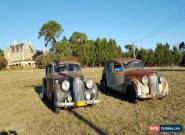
145,21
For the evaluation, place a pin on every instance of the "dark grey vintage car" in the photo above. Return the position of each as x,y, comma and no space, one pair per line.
64,85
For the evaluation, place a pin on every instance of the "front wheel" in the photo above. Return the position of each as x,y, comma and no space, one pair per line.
55,109
43,93
131,94
104,83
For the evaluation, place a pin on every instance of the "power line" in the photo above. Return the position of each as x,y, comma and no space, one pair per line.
172,20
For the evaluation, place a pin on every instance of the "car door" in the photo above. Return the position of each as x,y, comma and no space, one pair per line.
117,76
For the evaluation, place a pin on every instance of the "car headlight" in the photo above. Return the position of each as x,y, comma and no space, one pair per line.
88,96
162,78
65,85
144,80
89,84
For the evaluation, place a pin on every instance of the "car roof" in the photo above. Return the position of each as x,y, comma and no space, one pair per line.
64,62
124,59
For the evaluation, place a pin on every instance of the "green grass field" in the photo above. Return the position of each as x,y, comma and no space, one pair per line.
22,110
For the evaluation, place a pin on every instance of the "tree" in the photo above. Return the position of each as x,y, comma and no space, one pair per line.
3,61
62,48
130,49
176,56
78,38
50,31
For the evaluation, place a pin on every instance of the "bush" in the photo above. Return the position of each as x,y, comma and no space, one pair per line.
42,60
3,62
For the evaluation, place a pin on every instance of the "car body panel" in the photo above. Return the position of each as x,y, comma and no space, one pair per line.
76,94
119,76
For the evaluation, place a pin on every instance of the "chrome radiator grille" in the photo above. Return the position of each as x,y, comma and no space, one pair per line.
78,89
154,86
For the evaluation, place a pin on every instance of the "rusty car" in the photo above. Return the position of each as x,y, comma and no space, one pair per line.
129,77
65,87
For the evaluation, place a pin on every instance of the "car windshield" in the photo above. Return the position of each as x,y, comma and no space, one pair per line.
134,64
67,67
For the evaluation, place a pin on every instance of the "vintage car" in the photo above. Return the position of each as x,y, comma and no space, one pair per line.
128,76
64,85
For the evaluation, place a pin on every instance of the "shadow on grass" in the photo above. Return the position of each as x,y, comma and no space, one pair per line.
45,101
111,93
10,132
90,124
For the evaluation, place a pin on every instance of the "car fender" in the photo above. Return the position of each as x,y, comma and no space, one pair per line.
136,84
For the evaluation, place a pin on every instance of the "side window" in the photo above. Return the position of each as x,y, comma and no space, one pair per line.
117,66
109,66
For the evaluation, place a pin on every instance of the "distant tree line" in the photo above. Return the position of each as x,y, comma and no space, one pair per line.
96,52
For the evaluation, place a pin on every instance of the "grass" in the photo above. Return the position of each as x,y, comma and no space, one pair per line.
21,109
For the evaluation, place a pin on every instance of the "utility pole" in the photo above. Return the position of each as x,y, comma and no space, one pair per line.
134,51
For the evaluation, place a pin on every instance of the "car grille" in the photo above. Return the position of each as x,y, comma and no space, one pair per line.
78,89
154,87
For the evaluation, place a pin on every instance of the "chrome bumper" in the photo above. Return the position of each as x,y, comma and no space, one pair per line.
70,104
159,95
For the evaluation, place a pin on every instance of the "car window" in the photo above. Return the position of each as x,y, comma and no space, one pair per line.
117,66
66,67
134,64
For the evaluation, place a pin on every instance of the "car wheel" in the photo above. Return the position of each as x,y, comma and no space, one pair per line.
43,93
55,109
104,83
131,94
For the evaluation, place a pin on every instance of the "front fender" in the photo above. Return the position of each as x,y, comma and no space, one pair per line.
139,87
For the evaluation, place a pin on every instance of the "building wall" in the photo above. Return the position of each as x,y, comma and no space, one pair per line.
20,54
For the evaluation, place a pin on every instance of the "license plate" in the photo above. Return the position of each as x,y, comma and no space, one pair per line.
80,103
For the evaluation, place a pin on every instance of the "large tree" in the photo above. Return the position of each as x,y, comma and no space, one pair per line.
50,31
78,38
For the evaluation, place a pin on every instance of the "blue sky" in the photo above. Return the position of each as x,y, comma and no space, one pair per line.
123,20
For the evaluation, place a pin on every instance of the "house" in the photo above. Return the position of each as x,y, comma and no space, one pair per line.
20,55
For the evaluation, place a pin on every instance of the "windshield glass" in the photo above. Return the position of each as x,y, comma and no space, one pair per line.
133,64
67,67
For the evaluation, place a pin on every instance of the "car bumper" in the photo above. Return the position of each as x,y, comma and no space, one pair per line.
77,104
159,95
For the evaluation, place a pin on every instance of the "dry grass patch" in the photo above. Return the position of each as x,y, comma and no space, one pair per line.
22,110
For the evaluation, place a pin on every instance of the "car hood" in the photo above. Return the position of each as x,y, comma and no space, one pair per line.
69,75
139,72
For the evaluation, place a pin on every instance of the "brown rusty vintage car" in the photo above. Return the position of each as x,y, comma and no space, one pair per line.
64,85
128,76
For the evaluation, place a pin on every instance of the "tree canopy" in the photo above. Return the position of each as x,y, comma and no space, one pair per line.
50,31
96,52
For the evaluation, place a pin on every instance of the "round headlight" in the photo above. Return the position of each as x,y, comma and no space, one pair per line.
144,80
162,78
89,84
87,96
65,85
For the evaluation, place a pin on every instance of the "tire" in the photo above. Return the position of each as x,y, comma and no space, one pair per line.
131,94
43,93
55,109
